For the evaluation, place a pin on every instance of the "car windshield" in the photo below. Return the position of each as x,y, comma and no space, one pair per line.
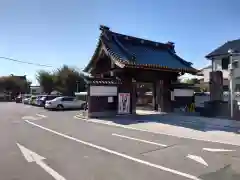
57,98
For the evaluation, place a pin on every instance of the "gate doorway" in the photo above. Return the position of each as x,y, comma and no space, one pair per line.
144,96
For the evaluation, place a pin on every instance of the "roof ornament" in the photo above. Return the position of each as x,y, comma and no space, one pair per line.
171,46
104,30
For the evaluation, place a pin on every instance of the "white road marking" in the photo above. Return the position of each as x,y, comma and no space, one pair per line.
29,118
189,176
41,115
141,140
197,159
31,156
164,133
217,150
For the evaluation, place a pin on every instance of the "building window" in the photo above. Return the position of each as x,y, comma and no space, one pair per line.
225,63
237,88
235,64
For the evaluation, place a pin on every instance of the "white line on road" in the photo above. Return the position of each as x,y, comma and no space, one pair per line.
217,150
197,159
189,176
41,115
29,118
149,131
31,156
141,140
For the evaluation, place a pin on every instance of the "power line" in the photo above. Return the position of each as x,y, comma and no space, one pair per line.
25,62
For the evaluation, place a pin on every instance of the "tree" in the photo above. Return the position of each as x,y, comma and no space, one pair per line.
64,80
67,79
14,85
46,81
191,81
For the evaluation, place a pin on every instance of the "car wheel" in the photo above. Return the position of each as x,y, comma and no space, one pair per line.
60,107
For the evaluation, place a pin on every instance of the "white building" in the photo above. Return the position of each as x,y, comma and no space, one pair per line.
220,61
36,90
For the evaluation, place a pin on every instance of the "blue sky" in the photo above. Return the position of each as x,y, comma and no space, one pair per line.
65,32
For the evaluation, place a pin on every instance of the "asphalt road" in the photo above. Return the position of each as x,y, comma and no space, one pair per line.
39,144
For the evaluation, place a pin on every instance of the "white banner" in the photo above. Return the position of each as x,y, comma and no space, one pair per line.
124,103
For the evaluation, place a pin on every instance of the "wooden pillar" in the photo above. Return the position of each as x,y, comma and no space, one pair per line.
158,95
164,95
133,97
154,94
167,95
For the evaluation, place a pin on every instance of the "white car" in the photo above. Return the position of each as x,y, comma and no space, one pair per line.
65,102
26,101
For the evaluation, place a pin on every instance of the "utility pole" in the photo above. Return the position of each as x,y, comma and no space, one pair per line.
231,82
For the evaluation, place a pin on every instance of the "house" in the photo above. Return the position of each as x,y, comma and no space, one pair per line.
20,77
220,59
35,90
205,73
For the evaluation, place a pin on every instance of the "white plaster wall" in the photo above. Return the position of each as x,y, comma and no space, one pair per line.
217,65
206,75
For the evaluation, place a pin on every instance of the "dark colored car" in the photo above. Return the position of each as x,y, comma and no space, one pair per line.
18,99
45,98
38,100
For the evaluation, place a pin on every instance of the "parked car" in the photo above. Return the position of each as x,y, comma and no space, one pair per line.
38,100
26,101
26,98
65,102
18,98
32,100
45,98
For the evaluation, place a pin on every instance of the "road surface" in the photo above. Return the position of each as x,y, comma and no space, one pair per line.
39,144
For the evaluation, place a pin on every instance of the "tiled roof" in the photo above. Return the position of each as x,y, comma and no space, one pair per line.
101,81
222,50
105,82
132,52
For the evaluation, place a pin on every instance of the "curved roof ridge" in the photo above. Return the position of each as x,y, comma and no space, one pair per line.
132,57
141,40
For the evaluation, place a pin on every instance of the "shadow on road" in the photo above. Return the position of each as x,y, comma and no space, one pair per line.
191,122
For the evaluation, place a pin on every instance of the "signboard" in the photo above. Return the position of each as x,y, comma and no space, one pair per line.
123,103
103,91
183,92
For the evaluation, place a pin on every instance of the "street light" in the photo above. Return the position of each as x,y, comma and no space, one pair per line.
231,75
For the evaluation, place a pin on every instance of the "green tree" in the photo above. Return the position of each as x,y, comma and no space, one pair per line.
67,79
191,81
14,85
46,81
